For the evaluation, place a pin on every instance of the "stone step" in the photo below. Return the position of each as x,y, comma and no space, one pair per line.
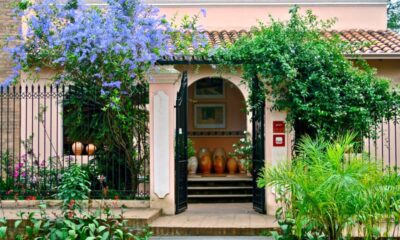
136,217
202,231
220,179
218,187
220,195
221,219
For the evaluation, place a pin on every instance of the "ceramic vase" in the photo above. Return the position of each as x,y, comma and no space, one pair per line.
219,165
192,165
77,148
205,164
232,165
203,151
90,149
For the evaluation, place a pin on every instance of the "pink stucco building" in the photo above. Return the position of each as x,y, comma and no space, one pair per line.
363,21
209,107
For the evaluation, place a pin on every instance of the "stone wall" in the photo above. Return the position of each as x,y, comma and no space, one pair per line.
9,109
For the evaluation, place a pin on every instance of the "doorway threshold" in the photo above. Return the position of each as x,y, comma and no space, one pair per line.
227,219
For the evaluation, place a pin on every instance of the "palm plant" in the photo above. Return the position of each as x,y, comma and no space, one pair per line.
328,191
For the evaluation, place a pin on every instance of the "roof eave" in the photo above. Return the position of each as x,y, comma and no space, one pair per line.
366,56
373,56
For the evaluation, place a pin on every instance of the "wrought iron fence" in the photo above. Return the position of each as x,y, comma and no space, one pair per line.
383,146
35,148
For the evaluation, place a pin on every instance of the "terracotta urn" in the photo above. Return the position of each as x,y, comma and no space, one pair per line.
204,151
205,164
77,148
219,164
219,152
90,149
192,165
232,165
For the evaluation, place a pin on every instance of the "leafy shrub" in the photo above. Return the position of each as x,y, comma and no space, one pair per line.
329,190
191,150
74,186
74,222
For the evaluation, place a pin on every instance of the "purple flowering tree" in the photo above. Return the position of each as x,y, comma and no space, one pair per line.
106,54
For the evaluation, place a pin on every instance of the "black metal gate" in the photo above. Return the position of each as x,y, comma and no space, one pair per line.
181,156
258,146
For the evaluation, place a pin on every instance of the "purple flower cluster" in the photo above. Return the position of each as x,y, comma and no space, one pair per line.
126,28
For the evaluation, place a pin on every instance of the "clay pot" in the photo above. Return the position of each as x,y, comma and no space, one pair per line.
204,151
77,148
192,165
219,164
90,149
219,152
205,164
232,166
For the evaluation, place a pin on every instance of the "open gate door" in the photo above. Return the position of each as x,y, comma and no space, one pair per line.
258,148
181,156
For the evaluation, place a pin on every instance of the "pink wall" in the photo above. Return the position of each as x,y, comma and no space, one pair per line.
389,68
355,16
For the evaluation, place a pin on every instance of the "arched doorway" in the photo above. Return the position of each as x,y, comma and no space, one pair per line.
217,123
211,114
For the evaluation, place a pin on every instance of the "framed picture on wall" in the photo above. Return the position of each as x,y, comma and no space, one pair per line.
209,116
209,88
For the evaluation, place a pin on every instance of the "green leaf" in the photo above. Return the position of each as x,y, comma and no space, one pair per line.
101,229
3,232
105,236
17,223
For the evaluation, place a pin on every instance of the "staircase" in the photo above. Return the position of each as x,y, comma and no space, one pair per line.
219,188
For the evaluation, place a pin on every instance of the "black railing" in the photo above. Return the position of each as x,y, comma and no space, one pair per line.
383,145
35,148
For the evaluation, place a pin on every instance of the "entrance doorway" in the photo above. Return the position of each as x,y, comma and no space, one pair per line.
217,131
211,141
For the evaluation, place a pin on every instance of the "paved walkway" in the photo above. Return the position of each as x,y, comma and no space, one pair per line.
210,238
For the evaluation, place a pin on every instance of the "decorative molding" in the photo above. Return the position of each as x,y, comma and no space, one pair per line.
216,134
164,75
161,145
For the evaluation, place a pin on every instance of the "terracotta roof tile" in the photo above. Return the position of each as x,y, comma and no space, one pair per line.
377,41
384,41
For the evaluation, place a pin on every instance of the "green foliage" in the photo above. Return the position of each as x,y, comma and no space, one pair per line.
191,150
329,190
393,13
243,150
117,130
3,228
101,224
74,222
74,187
307,75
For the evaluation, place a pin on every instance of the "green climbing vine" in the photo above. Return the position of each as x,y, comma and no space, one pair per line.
307,75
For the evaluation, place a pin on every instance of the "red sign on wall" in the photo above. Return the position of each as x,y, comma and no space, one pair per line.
278,126
279,140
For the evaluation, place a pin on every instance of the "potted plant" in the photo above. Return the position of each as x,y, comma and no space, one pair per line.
192,161
243,152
